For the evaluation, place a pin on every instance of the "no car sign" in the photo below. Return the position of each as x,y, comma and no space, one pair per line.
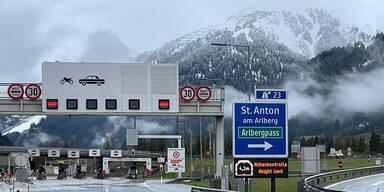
204,93
15,91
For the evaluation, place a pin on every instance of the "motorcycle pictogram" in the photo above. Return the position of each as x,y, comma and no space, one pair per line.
68,80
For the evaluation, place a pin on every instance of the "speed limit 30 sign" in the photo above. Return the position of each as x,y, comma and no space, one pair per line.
33,91
187,93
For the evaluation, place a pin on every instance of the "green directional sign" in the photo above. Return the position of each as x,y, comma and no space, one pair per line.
260,132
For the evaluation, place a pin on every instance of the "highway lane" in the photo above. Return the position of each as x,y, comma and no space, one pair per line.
367,183
95,185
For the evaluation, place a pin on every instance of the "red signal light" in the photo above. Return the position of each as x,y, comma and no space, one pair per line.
164,104
52,103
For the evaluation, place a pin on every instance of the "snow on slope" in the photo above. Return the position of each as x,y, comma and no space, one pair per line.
307,33
23,125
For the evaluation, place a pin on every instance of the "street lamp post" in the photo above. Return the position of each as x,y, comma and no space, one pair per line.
190,146
248,55
183,138
201,154
184,124
190,142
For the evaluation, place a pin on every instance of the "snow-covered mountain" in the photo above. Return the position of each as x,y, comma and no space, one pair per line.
279,42
7,121
22,124
307,33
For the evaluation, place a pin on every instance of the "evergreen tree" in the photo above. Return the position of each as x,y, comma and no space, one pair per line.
374,143
347,141
108,142
303,142
337,125
361,145
329,143
4,141
316,141
124,145
354,143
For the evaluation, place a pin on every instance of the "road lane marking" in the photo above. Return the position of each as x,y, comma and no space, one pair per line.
378,183
147,186
330,186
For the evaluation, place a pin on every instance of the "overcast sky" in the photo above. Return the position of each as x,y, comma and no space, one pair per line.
33,31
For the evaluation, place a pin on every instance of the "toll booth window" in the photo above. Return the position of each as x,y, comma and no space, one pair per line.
163,103
134,104
110,104
52,103
71,103
91,103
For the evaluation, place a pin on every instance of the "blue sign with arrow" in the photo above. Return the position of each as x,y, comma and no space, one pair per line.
277,94
260,129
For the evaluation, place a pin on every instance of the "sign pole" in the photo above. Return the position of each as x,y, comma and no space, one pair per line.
201,155
273,185
190,148
161,177
246,185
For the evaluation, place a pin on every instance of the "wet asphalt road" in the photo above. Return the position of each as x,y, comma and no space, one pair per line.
96,185
368,183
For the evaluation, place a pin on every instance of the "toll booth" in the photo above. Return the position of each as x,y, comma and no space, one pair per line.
134,165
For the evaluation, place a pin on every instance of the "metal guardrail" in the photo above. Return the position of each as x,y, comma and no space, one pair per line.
214,106
203,189
316,182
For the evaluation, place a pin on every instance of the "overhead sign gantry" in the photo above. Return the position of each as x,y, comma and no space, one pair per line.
134,89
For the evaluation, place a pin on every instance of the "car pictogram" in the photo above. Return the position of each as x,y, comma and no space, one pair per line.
91,79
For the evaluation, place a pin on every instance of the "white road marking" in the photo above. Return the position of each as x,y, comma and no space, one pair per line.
147,186
378,183
329,186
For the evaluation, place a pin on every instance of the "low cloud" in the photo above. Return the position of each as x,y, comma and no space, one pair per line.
354,92
299,101
361,92
21,45
118,122
152,127
106,46
37,139
233,95
144,125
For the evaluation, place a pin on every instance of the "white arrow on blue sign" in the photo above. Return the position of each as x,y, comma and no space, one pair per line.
260,129
276,94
